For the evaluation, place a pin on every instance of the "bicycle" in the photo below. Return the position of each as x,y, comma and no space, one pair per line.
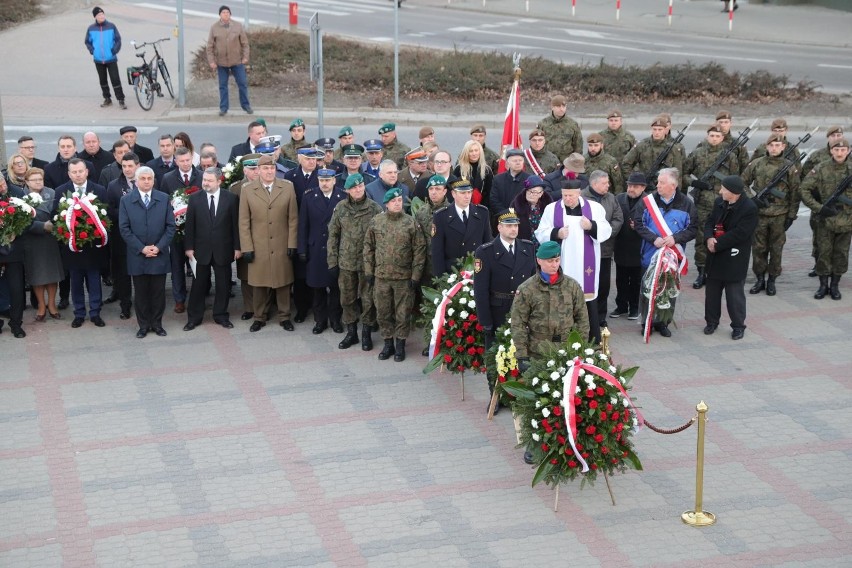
144,78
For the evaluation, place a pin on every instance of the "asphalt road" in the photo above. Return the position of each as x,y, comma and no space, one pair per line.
437,27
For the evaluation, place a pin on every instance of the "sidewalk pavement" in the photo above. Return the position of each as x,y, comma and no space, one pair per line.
224,448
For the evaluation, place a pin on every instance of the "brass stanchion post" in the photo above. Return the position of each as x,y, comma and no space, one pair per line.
699,517
605,334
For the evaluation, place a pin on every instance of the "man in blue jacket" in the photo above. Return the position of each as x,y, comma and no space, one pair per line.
104,42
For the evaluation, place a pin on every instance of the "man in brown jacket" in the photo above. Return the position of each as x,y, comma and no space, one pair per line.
228,53
269,222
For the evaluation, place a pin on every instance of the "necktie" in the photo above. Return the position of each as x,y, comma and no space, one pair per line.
186,179
79,189
269,188
464,217
512,250
212,208
146,200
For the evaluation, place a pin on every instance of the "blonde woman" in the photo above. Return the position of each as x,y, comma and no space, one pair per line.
15,174
472,167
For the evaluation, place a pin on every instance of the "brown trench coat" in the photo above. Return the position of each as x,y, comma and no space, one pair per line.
269,225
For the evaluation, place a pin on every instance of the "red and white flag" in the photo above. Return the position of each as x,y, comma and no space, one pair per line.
511,125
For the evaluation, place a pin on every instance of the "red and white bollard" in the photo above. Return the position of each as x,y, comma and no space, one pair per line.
294,16
617,10
670,13
731,15
573,7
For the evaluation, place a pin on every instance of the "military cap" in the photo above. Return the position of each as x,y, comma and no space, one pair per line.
273,140
266,160
125,129
659,121
548,250
774,137
614,113
425,131
326,173
353,180
373,145
508,217
843,143
558,100
734,184
310,152
723,115
436,179
266,148
575,162
714,128
325,143
478,129
345,131
392,193
250,160
571,184
417,155
296,123
831,130
637,178
352,150
533,181
594,138
667,118
514,152
536,132
461,185
387,127
779,123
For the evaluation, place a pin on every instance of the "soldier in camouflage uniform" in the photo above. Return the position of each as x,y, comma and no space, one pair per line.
723,119
617,139
705,192
835,223
597,158
478,133
437,188
547,307
833,134
678,148
779,126
345,136
563,134
393,148
394,254
546,159
297,140
250,173
346,232
641,157
774,219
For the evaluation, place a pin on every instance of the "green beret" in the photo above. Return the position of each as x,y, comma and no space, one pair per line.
392,193
345,131
548,250
353,180
436,180
387,127
297,122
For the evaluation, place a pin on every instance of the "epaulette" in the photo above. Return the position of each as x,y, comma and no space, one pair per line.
480,206
441,209
486,245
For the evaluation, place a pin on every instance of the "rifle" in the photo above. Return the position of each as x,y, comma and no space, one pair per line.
789,161
827,210
703,182
651,175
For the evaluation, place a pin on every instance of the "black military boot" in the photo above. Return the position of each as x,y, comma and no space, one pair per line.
399,355
388,350
812,273
770,286
702,278
351,337
835,288
823,288
759,285
366,337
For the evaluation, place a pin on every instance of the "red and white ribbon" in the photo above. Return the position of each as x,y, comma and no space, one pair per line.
90,211
668,260
440,317
664,230
534,165
569,388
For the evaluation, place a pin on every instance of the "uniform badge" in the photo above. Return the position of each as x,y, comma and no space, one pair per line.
433,229
477,265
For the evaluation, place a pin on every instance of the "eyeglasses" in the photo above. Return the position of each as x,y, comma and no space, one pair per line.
19,163
441,161
35,179
535,191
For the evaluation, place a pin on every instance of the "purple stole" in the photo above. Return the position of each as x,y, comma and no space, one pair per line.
589,260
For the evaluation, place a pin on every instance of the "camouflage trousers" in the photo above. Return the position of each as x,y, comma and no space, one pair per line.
704,207
353,285
769,239
394,300
832,252
814,229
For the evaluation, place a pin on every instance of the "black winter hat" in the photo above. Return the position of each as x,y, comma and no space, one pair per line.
97,10
223,7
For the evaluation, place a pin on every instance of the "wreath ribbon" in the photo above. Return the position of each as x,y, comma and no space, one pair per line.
668,260
441,313
569,386
90,211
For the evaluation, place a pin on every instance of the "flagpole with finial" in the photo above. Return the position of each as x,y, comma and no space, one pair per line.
512,122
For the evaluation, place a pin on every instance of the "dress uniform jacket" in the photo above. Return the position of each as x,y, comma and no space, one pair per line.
497,274
314,217
452,239
301,184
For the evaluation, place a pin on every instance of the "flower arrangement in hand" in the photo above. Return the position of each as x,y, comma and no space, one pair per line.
457,339
180,199
576,416
232,172
661,283
16,215
81,220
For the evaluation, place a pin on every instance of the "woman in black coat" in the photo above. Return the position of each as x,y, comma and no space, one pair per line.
728,232
529,205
